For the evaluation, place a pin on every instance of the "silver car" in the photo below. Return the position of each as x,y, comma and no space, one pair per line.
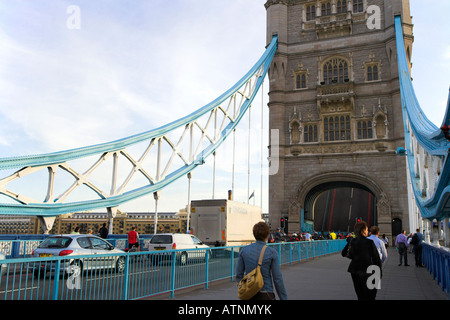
77,245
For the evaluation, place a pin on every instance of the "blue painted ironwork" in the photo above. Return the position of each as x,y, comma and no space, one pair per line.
428,135
53,208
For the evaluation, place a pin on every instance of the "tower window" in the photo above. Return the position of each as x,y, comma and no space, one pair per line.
310,133
365,130
337,128
358,6
326,9
341,6
300,81
335,71
310,13
372,72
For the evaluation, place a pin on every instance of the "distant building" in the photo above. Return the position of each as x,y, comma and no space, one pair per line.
122,223
19,225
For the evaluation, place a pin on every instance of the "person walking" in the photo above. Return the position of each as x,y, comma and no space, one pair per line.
278,235
308,236
76,231
363,254
402,245
270,268
416,242
374,233
385,240
133,239
103,232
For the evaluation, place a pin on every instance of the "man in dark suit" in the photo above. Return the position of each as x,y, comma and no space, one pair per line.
365,257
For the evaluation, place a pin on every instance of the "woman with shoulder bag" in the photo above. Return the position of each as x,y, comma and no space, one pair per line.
363,253
270,267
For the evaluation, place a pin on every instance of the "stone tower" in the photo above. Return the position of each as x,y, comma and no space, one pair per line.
335,102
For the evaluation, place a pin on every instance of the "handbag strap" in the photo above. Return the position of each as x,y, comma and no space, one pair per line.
261,255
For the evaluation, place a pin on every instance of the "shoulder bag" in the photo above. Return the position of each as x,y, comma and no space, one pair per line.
346,251
252,282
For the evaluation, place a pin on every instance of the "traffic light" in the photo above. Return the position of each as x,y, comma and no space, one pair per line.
284,224
358,219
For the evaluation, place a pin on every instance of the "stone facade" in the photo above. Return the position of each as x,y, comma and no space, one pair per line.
335,100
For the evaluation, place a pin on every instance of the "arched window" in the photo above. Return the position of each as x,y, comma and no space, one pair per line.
310,133
365,130
341,6
337,128
335,71
310,13
358,6
372,72
300,82
326,9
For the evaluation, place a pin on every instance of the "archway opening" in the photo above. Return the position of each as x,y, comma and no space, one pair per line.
337,206
396,226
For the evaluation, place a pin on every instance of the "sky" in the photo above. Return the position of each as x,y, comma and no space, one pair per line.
132,66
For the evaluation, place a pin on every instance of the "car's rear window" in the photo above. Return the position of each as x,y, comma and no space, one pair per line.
161,239
55,242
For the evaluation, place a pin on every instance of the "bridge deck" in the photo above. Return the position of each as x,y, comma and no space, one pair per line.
326,278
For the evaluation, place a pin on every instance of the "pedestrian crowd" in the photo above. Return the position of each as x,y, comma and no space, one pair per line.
279,236
367,252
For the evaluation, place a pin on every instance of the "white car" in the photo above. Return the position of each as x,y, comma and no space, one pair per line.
3,267
179,242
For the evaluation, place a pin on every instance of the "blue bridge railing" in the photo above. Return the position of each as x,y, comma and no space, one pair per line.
136,275
437,261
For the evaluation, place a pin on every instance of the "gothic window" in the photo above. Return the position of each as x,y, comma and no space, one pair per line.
341,6
372,72
335,71
310,133
326,9
365,130
337,128
310,13
358,6
300,80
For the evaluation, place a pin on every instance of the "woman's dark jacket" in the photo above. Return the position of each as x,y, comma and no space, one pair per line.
363,254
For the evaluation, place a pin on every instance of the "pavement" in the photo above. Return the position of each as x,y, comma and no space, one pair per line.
326,278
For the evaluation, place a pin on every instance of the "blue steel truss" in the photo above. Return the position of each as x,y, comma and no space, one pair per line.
429,136
254,79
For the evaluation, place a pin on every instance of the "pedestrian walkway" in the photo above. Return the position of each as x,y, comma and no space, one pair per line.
326,278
